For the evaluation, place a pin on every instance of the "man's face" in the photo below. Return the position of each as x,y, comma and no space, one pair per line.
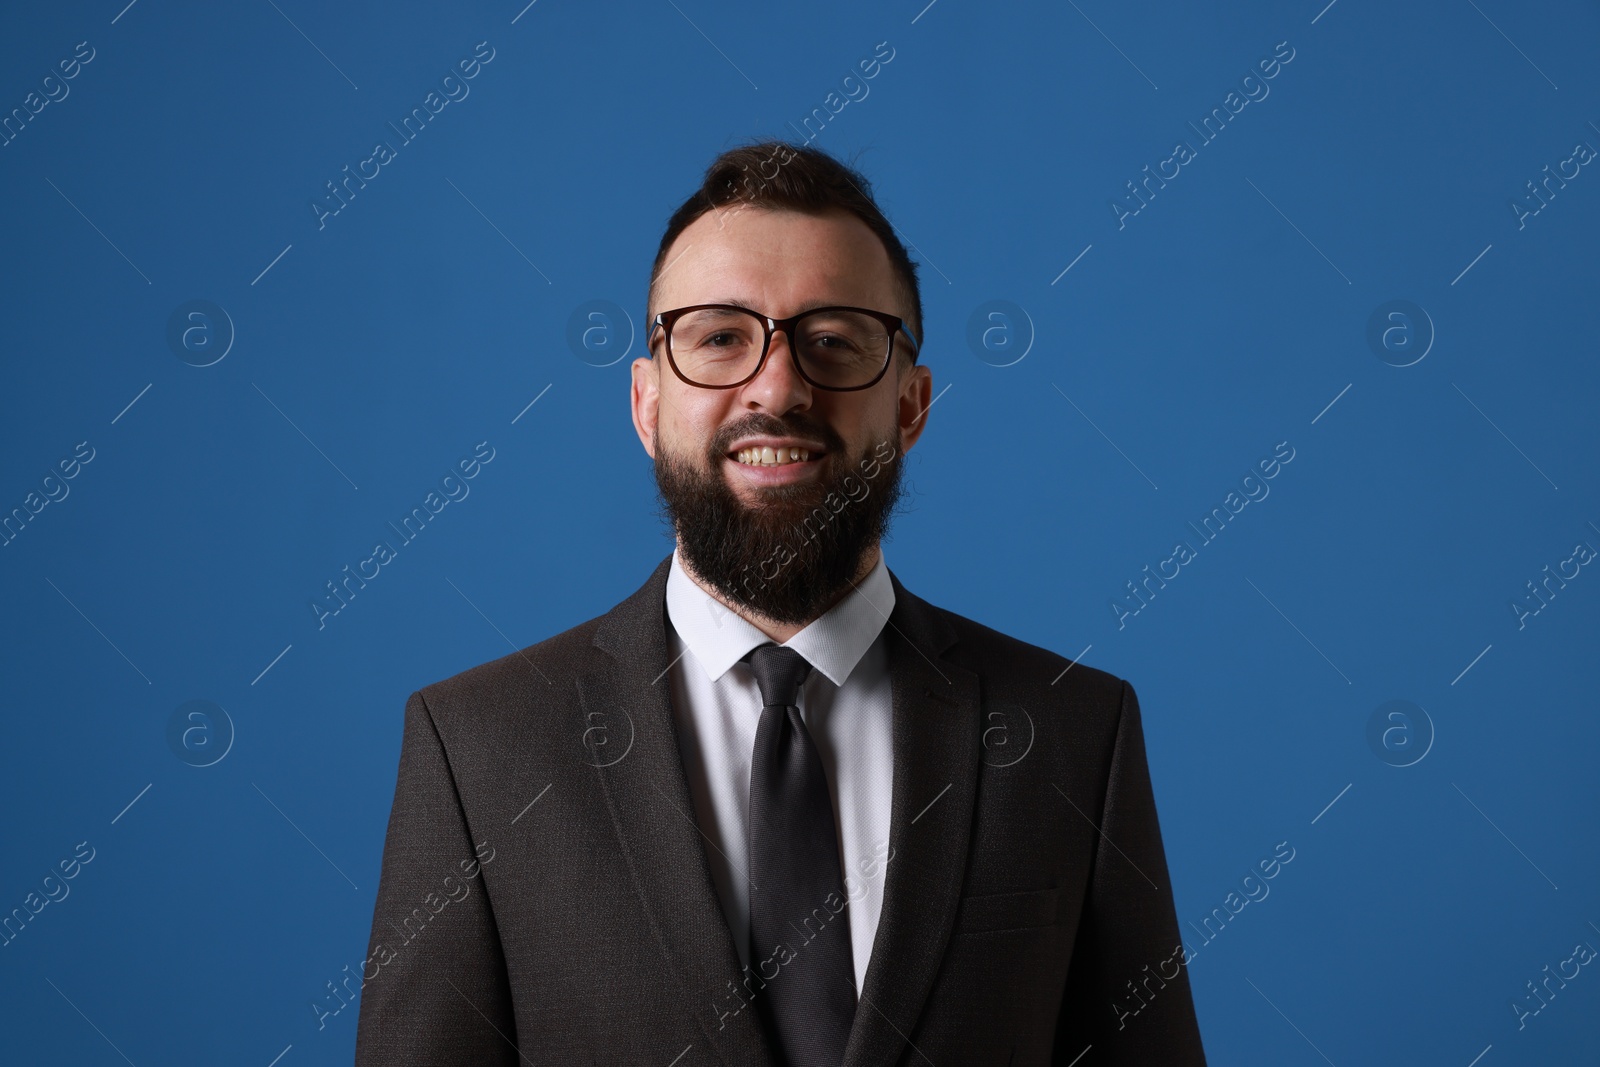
785,541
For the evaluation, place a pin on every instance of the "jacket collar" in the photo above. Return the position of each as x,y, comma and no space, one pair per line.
625,694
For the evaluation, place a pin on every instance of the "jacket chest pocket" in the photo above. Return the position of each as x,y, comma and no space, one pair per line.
1009,911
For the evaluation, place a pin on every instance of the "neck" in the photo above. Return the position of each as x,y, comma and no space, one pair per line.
779,632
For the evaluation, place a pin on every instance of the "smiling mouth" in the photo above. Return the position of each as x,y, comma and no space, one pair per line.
773,457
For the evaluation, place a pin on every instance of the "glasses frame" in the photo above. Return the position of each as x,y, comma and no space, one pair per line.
893,323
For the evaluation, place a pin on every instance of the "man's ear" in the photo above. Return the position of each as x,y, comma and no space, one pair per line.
646,401
916,395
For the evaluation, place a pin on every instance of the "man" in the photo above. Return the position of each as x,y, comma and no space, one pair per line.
773,808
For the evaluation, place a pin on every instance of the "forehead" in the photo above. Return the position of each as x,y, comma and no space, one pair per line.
777,261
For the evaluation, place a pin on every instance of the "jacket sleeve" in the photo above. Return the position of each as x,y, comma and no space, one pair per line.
1127,990
434,989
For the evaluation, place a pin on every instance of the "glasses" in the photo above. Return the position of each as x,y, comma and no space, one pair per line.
720,346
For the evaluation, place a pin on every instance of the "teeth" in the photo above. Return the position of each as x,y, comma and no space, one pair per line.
773,457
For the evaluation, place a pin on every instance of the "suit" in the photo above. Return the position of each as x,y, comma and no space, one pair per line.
545,887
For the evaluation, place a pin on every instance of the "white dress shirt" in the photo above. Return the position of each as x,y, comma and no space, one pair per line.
845,702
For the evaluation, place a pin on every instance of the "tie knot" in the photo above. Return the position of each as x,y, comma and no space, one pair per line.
779,672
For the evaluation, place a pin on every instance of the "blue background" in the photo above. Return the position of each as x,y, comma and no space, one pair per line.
1229,314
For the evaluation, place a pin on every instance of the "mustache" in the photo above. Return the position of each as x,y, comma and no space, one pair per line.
758,424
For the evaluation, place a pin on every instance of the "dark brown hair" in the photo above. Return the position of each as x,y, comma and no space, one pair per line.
777,175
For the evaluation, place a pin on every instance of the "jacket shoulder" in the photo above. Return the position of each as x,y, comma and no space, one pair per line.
1073,712
546,669
532,674
991,653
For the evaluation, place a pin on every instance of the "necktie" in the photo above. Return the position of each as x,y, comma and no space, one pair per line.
799,915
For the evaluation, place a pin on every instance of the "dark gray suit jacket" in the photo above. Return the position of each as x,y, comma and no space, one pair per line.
545,896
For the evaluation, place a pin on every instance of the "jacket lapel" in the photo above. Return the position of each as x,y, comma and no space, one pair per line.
623,686
936,761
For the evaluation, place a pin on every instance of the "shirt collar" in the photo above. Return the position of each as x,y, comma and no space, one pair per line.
833,643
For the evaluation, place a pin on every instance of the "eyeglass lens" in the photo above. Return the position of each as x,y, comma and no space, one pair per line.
720,346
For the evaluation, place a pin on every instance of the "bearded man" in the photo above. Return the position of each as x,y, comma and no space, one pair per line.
773,808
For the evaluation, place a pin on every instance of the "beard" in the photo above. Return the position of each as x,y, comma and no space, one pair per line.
793,554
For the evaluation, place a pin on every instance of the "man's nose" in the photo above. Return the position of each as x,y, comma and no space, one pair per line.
779,386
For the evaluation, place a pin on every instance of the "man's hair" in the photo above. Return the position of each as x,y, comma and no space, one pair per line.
806,179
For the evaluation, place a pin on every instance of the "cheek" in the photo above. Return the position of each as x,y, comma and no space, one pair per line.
880,423
689,418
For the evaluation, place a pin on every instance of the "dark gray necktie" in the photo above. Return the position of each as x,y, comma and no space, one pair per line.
799,914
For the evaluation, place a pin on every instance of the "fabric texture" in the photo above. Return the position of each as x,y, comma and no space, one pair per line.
545,894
